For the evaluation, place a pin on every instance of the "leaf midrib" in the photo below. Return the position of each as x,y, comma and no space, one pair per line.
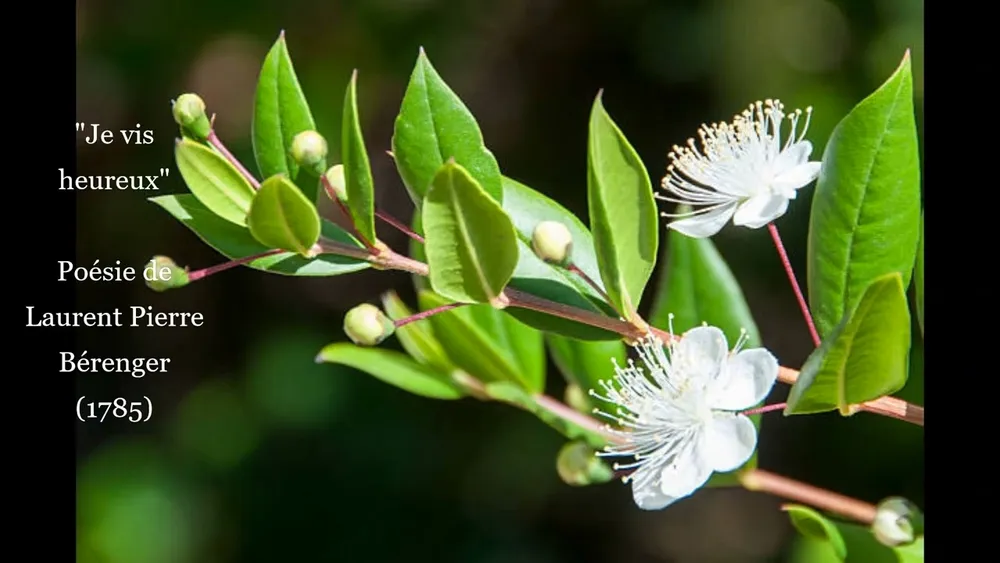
852,330
464,231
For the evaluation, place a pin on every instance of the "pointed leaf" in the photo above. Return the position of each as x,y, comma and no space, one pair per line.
281,217
280,113
864,358
488,344
918,276
417,338
470,242
216,183
433,126
357,170
622,212
235,242
697,286
865,219
393,368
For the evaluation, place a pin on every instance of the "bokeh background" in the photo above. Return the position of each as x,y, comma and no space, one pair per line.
255,453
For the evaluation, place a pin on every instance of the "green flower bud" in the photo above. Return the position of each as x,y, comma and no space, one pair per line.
578,466
366,325
577,398
189,113
335,176
552,242
897,522
309,151
161,274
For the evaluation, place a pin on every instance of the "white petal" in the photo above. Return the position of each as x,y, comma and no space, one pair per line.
796,178
746,380
705,224
699,356
686,474
791,157
728,442
650,497
760,210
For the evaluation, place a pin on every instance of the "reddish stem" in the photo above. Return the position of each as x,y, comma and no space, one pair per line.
205,272
576,270
399,225
332,194
424,314
795,284
214,140
764,409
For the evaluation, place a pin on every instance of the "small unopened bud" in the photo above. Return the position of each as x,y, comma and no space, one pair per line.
897,522
366,325
335,176
578,466
161,274
189,113
309,151
552,242
577,398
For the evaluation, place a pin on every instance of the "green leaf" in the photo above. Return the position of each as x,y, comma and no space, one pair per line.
814,525
697,286
526,208
865,219
417,338
281,217
586,363
216,183
357,170
488,344
512,394
622,212
864,358
470,242
280,113
393,368
433,126
918,276
235,242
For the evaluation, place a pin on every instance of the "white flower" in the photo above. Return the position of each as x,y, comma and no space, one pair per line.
681,421
742,171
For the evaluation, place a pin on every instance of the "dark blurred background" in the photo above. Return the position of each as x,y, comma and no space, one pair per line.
255,453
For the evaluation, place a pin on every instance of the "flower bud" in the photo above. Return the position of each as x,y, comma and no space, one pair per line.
366,325
578,466
577,398
309,151
897,522
335,176
189,113
552,242
161,274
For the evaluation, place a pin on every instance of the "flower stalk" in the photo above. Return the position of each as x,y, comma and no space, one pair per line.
216,143
205,272
767,482
787,264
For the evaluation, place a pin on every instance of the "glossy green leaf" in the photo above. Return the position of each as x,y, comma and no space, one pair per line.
470,242
512,394
433,126
812,524
281,217
216,183
235,242
697,286
488,344
526,208
357,170
622,212
417,338
393,368
586,363
280,113
864,358
918,277
865,219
